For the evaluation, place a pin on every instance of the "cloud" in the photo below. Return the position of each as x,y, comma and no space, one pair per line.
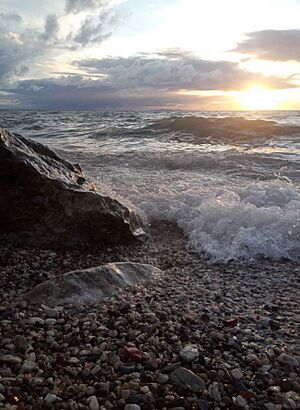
139,81
79,93
175,70
23,47
278,45
96,29
76,6
11,17
51,27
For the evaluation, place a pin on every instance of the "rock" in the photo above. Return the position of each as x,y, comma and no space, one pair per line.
213,391
240,402
48,201
2,398
133,353
93,403
28,366
20,343
288,360
237,374
124,369
189,353
36,321
184,377
124,306
51,398
132,407
51,313
10,359
90,285
162,378
202,405
103,388
50,322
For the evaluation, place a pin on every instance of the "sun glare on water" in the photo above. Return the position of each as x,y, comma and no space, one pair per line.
259,98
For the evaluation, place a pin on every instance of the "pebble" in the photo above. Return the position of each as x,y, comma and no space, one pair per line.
51,313
28,366
189,353
162,378
132,407
50,322
20,344
214,392
10,359
288,360
184,377
51,398
240,402
36,321
236,373
93,403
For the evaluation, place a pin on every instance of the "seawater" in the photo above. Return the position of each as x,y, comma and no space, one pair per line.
232,185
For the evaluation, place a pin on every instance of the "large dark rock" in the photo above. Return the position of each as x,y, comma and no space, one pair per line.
46,201
91,285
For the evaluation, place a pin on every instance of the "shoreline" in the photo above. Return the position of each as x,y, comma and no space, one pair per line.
244,320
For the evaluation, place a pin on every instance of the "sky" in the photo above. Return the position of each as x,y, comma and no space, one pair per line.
158,54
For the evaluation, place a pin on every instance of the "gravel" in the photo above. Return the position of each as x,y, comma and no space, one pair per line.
203,336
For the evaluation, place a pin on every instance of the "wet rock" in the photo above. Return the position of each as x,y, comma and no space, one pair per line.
288,360
184,377
48,202
133,353
36,321
124,369
51,313
51,398
214,392
240,402
103,388
20,343
90,285
132,407
10,359
202,405
189,353
237,374
28,366
93,403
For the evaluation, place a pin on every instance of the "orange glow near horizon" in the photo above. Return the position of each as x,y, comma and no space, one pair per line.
255,98
259,98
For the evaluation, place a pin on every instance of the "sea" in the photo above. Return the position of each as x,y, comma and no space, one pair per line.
229,180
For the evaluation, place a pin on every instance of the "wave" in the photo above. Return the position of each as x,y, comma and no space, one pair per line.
241,224
231,129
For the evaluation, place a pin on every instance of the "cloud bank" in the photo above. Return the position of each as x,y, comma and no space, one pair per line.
136,81
278,45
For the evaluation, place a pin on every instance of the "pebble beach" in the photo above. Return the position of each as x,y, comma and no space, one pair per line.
200,336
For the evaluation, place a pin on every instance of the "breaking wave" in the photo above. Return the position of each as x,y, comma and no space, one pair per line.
260,219
218,130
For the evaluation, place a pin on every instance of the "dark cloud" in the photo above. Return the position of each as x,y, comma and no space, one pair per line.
96,29
21,47
278,45
174,71
139,81
51,27
11,17
77,93
76,6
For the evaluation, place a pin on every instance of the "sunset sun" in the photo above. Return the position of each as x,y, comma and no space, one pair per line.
259,98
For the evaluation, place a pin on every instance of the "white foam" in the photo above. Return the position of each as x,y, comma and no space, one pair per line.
221,219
